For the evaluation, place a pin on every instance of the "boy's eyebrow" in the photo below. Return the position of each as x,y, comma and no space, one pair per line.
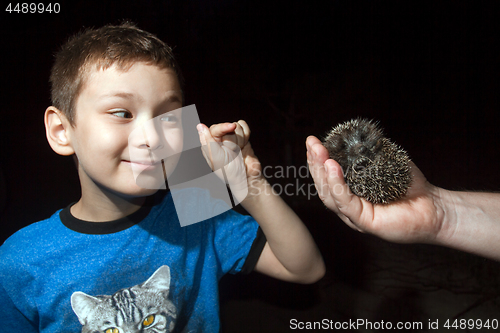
175,97
125,95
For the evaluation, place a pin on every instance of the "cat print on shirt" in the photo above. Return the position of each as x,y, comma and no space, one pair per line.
142,308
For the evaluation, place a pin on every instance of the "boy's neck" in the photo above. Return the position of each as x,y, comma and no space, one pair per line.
104,207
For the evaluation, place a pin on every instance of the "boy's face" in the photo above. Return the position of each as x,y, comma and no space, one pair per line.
111,105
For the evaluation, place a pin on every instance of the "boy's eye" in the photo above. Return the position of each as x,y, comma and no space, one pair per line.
168,118
122,114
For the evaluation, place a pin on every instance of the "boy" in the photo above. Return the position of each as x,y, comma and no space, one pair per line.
118,260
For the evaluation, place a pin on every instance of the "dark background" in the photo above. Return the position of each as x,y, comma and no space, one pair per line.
428,71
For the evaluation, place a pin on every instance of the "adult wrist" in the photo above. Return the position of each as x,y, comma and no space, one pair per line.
445,215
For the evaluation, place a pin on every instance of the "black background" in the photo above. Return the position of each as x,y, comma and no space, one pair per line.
428,71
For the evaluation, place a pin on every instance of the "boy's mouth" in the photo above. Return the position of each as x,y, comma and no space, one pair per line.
142,165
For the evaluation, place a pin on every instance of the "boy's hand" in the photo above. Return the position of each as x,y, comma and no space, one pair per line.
221,144
417,217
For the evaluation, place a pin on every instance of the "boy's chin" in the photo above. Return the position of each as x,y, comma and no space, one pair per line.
136,193
151,184
138,188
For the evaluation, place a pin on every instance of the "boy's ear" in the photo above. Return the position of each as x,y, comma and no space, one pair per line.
57,129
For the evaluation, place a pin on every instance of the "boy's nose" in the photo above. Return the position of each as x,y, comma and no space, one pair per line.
153,135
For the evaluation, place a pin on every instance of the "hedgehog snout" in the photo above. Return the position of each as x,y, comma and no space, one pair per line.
360,149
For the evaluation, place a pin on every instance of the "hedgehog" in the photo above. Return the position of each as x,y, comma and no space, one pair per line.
374,167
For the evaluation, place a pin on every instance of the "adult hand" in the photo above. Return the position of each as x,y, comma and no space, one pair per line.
417,217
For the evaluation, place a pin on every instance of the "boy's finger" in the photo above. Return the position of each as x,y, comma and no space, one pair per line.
237,136
207,142
206,134
246,131
239,133
219,130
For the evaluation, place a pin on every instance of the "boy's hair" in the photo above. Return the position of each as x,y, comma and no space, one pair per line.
95,49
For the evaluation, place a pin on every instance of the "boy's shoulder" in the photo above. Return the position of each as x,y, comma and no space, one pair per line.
28,238
30,246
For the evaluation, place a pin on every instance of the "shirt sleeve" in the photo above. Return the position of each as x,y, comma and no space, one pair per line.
255,252
11,319
238,242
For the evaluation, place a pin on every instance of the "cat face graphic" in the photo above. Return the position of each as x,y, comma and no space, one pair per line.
142,308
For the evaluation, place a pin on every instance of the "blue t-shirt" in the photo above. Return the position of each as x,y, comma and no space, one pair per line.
144,273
